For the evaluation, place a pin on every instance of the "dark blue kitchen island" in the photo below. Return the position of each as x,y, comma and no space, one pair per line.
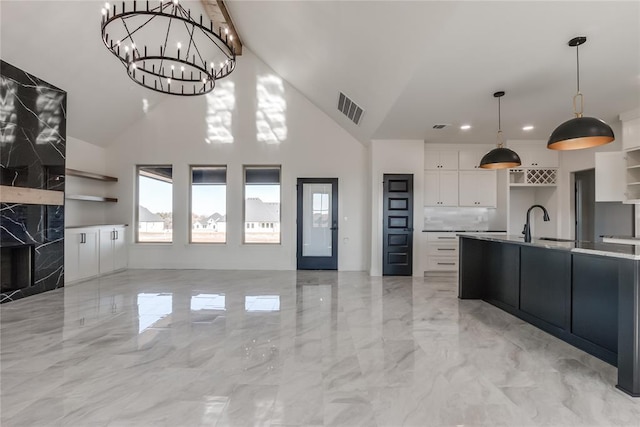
584,293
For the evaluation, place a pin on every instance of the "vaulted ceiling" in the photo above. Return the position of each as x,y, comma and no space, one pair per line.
410,65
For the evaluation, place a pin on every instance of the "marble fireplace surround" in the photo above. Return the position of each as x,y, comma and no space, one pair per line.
32,179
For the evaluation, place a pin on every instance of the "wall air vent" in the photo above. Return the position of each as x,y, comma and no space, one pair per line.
440,126
349,108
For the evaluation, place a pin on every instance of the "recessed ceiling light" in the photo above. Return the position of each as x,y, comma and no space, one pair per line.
527,127
465,127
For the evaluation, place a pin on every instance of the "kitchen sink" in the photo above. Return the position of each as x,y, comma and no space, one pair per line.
555,239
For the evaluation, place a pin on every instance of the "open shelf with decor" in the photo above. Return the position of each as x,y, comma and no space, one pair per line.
91,176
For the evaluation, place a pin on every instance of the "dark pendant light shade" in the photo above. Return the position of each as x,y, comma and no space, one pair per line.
580,132
500,157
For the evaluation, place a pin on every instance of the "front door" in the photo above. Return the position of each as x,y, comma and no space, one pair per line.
317,224
397,233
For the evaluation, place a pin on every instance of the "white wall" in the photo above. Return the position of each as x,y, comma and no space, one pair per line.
301,138
87,157
404,157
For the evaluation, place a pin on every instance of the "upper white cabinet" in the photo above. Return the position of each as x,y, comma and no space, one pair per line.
440,188
478,189
441,160
610,176
534,158
631,134
470,160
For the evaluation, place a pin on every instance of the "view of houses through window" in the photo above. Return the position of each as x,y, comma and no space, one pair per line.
155,204
208,223
262,204
208,204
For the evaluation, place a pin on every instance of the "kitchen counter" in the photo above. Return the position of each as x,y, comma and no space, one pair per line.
594,248
587,294
622,240
463,231
71,227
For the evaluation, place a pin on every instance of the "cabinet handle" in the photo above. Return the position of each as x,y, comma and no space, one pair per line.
446,263
446,249
117,235
83,238
446,238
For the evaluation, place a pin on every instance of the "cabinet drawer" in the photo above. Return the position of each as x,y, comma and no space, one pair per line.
442,237
442,249
442,264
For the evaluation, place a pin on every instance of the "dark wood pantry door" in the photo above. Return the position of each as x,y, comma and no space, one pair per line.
397,232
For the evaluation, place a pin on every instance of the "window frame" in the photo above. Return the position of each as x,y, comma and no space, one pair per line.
244,204
137,203
226,199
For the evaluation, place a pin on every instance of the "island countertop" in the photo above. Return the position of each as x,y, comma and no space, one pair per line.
594,248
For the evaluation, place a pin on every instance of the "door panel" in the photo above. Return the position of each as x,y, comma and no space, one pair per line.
317,224
397,225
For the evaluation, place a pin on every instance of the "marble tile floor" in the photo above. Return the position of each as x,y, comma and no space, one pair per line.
256,348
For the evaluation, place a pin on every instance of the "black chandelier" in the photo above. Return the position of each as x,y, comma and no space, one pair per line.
164,49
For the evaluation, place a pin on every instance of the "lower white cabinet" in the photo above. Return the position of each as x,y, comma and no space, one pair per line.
92,251
113,250
81,254
441,251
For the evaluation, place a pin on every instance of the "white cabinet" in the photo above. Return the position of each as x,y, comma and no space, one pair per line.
441,160
440,188
470,160
610,176
90,251
535,158
478,188
631,134
441,252
113,249
80,254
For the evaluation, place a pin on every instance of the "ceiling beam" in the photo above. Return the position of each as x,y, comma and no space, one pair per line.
218,13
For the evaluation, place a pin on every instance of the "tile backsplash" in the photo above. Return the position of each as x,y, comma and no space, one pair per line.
480,219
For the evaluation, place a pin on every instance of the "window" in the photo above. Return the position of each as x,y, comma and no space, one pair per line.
261,204
208,204
155,204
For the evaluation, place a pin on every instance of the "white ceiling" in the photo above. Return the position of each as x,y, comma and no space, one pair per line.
410,65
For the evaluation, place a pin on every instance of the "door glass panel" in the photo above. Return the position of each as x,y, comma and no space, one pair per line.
317,220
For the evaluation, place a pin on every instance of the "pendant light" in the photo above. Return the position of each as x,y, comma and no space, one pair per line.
500,157
580,132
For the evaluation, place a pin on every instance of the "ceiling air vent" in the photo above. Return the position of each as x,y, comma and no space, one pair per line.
440,126
349,108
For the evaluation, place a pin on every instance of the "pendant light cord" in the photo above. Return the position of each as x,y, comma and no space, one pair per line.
578,69
578,109
499,117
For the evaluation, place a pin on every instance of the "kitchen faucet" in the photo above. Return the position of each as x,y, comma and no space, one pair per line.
527,225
